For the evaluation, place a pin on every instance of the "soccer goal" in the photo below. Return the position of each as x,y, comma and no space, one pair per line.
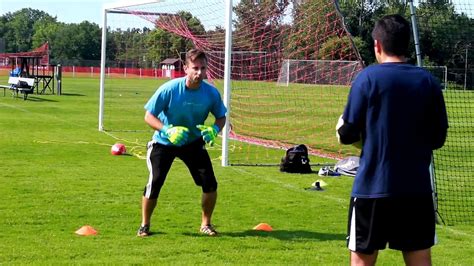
323,72
249,45
142,44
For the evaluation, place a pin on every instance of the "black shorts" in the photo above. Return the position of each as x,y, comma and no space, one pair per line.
406,224
160,157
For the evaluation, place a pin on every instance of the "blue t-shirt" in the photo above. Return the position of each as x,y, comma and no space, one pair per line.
400,112
177,105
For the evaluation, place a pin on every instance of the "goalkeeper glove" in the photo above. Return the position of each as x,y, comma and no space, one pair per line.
349,137
208,133
176,135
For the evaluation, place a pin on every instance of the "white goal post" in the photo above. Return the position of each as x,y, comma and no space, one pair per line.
322,72
121,7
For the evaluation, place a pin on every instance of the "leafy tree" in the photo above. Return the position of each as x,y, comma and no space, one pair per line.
27,29
360,17
3,26
158,42
444,34
130,46
88,36
19,28
45,31
310,29
167,41
336,47
74,41
256,20
180,44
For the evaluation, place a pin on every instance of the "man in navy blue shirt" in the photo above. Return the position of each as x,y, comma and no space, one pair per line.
397,112
177,112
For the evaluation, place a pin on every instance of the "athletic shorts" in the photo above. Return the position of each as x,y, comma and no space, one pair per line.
405,224
194,155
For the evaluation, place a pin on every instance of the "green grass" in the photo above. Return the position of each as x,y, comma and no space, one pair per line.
57,174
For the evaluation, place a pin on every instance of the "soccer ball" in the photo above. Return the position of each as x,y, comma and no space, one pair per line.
118,149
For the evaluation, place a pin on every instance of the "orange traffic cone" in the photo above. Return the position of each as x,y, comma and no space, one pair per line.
263,227
86,230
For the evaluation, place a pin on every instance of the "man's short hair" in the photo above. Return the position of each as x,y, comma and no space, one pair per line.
393,33
195,54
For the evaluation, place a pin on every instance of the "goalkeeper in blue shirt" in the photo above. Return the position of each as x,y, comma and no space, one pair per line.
396,113
177,112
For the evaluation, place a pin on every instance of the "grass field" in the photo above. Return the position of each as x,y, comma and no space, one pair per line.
57,174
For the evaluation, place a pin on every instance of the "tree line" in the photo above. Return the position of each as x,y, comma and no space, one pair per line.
445,34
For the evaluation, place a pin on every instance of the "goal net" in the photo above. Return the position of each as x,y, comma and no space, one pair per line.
291,64
305,38
446,31
441,73
323,72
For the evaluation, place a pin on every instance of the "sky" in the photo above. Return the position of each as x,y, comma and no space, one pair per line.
68,11
76,11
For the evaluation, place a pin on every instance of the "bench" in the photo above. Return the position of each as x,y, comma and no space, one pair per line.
17,85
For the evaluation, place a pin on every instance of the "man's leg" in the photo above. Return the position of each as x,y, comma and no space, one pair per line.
208,202
418,257
159,160
363,259
197,160
148,205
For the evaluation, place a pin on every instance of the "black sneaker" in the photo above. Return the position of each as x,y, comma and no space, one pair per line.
144,231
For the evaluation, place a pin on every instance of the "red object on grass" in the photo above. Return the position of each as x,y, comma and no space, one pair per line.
118,149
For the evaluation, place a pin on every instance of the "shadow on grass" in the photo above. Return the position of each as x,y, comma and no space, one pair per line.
152,234
37,99
282,235
71,94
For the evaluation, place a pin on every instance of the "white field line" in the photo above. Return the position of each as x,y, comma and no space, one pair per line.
457,232
290,186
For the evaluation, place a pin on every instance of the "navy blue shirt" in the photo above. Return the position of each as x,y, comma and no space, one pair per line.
399,111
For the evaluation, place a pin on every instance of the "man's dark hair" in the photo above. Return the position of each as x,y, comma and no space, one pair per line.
393,33
194,54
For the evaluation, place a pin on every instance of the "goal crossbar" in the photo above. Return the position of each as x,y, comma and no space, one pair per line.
119,8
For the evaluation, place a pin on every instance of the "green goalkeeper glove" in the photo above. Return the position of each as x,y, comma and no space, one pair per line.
176,135
208,133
